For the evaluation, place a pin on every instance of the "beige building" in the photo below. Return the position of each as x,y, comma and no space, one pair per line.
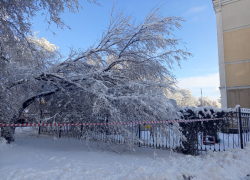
233,33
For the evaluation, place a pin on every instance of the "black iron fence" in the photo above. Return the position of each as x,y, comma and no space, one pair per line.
218,135
160,136
231,131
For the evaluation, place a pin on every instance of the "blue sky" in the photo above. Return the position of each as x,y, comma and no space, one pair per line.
198,32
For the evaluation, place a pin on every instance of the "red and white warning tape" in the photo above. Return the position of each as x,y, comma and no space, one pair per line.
112,123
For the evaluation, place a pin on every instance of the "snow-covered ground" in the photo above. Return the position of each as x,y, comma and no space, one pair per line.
32,157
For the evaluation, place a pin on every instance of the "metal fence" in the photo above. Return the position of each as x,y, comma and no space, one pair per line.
233,132
142,135
217,135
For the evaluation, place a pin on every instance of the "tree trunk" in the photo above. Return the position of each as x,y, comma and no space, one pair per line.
8,133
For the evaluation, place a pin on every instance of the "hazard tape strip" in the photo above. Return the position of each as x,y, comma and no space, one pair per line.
112,123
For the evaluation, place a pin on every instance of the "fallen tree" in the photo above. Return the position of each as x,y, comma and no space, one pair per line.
123,77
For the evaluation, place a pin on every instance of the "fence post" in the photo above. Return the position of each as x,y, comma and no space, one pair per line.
139,134
39,129
41,117
60,131
240,133
81,130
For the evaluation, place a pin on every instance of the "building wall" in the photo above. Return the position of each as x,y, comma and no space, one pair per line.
233,27
235,14
238,96
238,74
237,44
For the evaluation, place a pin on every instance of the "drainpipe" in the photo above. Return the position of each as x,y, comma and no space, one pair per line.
223,55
